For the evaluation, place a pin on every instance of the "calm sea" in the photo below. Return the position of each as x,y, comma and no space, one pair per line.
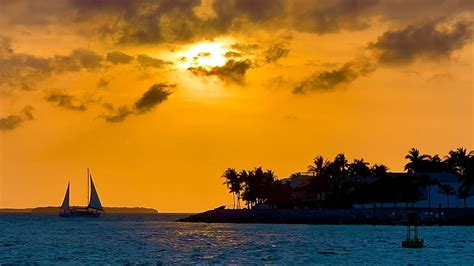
148,239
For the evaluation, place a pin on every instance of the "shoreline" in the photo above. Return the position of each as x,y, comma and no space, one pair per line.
464,216
55,210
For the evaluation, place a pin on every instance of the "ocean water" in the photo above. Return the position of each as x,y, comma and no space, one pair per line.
157,239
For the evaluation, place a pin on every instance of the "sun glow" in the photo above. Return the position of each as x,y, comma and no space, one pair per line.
206,55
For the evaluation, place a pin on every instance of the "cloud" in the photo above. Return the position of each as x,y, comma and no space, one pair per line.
231,54
233,71
329,80
276,50
205,11
102,83
21,70
154,96
118,114
245,47
432,40
146,61
169,21
429,40
65,101
78,59
5,47
16,120
324,17
117,57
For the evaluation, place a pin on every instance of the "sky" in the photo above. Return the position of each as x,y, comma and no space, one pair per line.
159,97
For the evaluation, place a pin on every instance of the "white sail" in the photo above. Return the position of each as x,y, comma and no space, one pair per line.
65,204
94,201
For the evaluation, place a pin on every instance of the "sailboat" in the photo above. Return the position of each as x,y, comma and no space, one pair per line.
93,209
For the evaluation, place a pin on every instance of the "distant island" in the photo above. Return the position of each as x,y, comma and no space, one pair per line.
108,210
439,189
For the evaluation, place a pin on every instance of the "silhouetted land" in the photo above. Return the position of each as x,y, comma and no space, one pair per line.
333,216
9,210
339,191
108,210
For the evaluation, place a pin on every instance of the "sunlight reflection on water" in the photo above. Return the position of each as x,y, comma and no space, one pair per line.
146,239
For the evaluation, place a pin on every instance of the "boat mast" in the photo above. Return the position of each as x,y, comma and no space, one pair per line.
88,181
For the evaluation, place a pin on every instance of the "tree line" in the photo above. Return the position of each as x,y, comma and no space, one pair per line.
338,183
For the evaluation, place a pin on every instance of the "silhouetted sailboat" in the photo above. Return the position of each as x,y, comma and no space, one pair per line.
93,209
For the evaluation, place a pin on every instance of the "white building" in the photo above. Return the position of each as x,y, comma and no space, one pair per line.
432,197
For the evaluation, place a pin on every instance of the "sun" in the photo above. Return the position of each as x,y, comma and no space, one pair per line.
206,55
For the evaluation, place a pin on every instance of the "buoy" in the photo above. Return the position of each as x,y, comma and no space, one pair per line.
412,228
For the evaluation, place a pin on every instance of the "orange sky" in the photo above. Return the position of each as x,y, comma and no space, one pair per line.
159,97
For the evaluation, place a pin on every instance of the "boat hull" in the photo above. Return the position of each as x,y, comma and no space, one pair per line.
80,212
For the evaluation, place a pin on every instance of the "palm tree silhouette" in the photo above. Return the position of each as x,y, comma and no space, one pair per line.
233,183
448,190
427,182
464,193
359,170
416,161
319,165
467,179
457,160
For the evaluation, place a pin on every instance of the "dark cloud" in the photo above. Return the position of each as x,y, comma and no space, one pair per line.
232,55
233,71
77,60
19,70
148,61
427,40
117,57
245,47
432,40
276,50
65,101
102,83
329,80
116,115
330,16
157,94
168,21
154,96
5,47
13,121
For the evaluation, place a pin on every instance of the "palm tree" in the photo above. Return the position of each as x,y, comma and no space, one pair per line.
339,164
359,169
427,182
435,164
457,160
319,165
464,193
233,183
467,179
448,190
416,161
248,193
379,170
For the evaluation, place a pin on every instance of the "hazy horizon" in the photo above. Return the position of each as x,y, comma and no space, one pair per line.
158,98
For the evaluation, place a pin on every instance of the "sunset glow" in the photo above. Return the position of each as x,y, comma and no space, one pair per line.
206,55
159,97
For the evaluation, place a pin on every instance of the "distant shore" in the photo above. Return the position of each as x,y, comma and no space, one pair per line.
108,210
340,216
